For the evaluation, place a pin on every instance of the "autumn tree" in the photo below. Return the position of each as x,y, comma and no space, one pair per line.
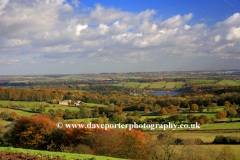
41,109
213,106
221,114
33,109
190,117
163,111
129,144
14,116
4,115
194,107
136,113
227,103
146,111
201,108
33,132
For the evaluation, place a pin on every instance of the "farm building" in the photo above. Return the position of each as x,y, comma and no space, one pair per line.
66,102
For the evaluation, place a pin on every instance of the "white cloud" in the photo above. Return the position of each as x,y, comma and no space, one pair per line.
75,2
33,28
234,33
16,42
80,27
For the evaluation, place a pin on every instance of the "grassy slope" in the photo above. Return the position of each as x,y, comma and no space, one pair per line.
159,84
19,112
201,81
235,125
206,137
133,84
55,154
144,85
228,82
28,104
170,84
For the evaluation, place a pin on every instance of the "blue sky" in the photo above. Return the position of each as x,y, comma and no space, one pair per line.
61,37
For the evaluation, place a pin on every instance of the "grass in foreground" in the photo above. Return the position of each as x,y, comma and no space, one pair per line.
55,154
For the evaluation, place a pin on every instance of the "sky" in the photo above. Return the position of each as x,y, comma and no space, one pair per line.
74,36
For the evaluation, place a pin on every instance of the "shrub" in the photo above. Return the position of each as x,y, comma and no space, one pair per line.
220,139
81,149
32,132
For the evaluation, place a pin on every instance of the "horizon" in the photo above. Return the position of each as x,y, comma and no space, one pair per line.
88,37
124,72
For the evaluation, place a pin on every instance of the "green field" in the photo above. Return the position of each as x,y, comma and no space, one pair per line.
201,81
170,85
19,112
94,104
228,82
180,84
118,84
234,125
205,84
144,85
132,84
206,137
4,123
159,84
55,154
86,120
28,104
79,90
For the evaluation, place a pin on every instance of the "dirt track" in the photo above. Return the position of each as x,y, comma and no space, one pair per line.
23,156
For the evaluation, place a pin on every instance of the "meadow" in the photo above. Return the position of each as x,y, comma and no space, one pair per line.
215,126
159,84
64,155
228,82
179,84
205,136
28,104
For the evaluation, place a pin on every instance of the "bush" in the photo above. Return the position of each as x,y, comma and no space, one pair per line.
220,139
81,149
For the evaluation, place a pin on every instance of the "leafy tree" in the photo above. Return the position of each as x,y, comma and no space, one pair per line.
174,118
146,111
33,132
3,115
85,112
129,114
201,108
194,107
14,116
213,106
41,109
163,111
33,109
129,144
227,103
205,119
136,113
232,112
190,117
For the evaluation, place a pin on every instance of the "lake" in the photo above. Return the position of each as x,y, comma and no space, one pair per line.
160,93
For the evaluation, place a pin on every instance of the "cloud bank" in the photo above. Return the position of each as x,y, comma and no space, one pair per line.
57,29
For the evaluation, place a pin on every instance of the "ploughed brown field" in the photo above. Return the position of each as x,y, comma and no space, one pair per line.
23,156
